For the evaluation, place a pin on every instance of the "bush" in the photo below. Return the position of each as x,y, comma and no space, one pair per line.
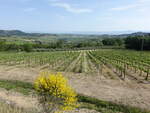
54,93
27,47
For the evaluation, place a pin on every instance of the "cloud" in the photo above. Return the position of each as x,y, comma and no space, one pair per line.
29,9
138,5
71,9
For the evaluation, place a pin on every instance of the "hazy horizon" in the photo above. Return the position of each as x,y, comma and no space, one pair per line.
85,32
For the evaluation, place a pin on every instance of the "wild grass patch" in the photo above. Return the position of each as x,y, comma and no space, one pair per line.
106,106
18,86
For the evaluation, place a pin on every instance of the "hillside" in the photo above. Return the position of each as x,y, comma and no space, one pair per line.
11,32
20,33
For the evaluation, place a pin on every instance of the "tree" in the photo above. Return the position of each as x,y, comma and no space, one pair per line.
2,45
138,42
113,41
27,47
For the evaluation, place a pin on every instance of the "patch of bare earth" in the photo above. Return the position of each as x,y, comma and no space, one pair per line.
17,99
113,90
18,73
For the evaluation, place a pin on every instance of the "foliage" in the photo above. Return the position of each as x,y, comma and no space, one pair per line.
54,92
124,60
63,42
2,44
121,60
136,42
15,47
27,47
113,41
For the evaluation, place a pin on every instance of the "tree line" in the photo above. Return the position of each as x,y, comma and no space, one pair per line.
131,42
138,42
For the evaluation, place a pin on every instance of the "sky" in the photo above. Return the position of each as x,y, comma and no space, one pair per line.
75,15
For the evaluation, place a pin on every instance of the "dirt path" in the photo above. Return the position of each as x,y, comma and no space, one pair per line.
18,73
73,64
85,63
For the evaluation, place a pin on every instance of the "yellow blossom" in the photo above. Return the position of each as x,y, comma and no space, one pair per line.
57,87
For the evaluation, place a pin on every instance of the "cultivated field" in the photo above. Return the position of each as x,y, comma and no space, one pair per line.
118,76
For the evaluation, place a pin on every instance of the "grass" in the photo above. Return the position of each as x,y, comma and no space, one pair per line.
85,101
18,86
106,106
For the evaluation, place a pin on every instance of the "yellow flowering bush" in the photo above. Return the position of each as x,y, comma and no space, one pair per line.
54,92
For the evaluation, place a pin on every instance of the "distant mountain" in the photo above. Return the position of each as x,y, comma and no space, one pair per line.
20,33
140,34
11,32
102,35
105,33
134,34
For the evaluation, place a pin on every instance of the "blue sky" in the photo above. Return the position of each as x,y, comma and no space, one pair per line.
75,15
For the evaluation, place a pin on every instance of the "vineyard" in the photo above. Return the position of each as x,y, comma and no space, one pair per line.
113,64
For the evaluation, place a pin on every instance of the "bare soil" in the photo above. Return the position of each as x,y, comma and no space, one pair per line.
124,92
17,99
